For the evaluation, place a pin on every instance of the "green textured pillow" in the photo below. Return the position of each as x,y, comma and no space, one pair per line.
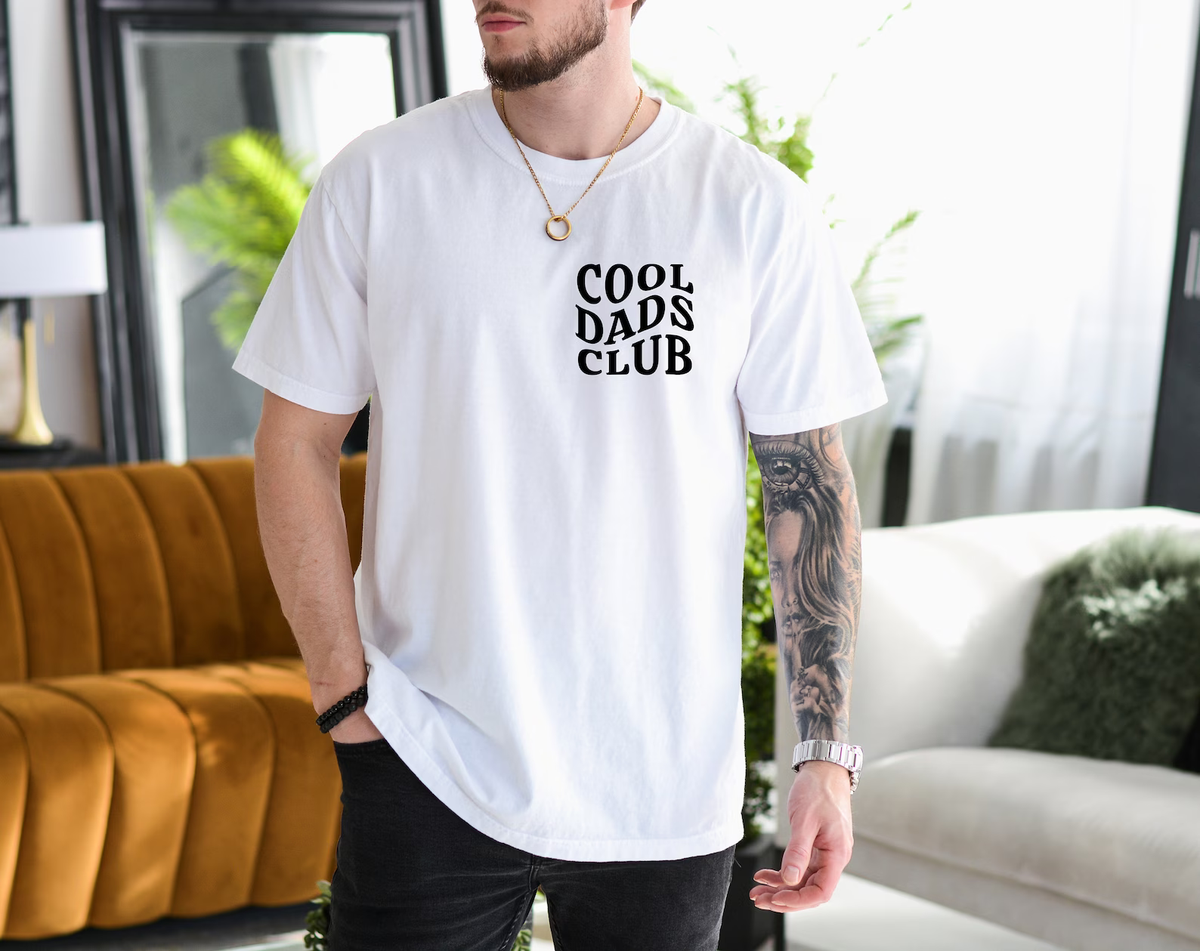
1112,664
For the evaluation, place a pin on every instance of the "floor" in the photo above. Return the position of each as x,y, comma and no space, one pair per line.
277,929
862,916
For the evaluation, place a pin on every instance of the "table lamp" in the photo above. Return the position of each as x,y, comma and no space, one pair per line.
46,261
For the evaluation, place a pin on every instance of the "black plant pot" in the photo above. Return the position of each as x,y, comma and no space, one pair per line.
745,926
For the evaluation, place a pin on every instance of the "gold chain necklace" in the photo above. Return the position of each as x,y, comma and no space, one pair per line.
563,219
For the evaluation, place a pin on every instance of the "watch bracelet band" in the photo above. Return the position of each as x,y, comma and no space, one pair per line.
830,751
343,708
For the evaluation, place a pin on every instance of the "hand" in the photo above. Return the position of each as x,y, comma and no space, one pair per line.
821,842
356,728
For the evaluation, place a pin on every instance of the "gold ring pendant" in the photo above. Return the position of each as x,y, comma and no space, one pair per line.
555,220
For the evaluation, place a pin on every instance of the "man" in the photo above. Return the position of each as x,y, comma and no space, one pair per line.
568,304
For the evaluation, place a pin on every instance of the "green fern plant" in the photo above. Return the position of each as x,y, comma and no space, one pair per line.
791,149
876,299
317,920
242,214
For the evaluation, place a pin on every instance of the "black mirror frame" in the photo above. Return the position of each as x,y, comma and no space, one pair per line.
125,334
8,158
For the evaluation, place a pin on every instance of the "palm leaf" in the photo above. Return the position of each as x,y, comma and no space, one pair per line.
242,214
876,298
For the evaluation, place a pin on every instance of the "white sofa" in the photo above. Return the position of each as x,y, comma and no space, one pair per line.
1085,854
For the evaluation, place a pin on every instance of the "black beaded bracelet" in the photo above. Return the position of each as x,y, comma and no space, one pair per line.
343,708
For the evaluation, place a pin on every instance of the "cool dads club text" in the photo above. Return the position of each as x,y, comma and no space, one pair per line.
634,321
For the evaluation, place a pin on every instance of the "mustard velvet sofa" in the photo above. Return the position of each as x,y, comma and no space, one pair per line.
158,755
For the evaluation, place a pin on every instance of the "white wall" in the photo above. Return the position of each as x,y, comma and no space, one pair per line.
50,191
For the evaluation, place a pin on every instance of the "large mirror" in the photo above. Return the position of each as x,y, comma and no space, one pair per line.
205,125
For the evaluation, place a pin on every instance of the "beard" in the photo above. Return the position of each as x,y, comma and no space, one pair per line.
545,64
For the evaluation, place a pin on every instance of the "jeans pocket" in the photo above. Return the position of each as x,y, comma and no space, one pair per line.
369,746
357,757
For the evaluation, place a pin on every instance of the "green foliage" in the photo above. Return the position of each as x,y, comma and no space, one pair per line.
242,214
758,706
875,296
317,920
774,138
657,84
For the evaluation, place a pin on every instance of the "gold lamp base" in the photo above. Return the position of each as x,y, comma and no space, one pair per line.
32,429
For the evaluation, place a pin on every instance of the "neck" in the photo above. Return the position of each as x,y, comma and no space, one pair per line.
581,114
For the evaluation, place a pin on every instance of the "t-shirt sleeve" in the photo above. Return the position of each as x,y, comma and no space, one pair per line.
308,342
809,363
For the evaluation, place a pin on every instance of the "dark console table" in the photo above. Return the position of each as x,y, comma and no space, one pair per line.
61,452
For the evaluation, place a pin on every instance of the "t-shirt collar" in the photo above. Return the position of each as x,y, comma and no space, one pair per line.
552,168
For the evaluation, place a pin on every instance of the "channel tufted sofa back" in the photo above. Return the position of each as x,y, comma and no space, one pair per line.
149,565
157,748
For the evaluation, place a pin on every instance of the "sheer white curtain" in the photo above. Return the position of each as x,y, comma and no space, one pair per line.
1046,278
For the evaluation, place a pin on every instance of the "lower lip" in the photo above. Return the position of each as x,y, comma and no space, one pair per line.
500,26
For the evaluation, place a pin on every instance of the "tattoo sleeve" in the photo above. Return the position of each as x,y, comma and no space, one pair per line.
811,514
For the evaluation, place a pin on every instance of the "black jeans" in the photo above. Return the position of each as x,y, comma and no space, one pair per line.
413,876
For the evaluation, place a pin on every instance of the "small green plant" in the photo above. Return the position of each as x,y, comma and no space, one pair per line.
317,920
242,214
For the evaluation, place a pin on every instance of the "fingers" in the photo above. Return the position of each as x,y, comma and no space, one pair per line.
815,886
795,857
771,878
818,888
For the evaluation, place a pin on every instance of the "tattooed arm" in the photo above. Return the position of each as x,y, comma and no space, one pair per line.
813,530
811,514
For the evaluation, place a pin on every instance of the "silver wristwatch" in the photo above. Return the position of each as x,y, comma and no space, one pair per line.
830,751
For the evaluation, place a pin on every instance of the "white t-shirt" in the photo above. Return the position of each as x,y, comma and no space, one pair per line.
551,581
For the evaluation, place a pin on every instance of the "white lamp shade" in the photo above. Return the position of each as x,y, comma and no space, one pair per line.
52,260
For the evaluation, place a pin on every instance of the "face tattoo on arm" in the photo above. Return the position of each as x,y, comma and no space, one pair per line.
813,541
